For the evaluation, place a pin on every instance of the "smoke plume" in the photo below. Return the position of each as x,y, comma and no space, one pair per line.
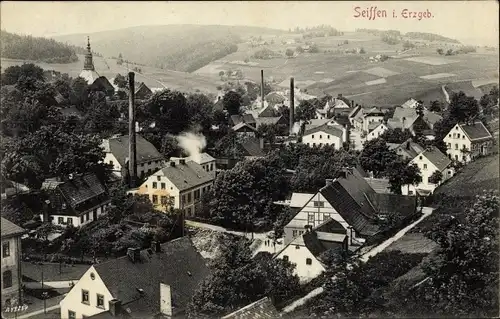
296,128
193,144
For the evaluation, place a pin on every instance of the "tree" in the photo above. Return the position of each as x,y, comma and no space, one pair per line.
299,49
401,173
396,135
232,102
221,73
376,157
13,74
435,106
268,132
362,51
314,48
120,81
462,107
289,53
305,111
200,112
449,52
440,51
436,177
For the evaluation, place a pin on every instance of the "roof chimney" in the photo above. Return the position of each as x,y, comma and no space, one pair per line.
329,181
132,150
134,254
262,87
292,105
115,306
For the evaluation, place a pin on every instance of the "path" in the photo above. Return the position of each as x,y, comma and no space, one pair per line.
50,284
224,230
426,211
447,96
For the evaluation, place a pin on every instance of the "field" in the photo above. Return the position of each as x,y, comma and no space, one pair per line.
152,77
413,243
417,73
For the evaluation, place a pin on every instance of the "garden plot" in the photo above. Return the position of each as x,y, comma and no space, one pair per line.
327,80
375,82
432,60
437,76
381,72
319,72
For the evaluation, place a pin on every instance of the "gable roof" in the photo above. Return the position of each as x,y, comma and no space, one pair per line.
409,148
355,111
268,120
410,103
436,157
262,308
245,118
242,126
325,128
252,147
118,146
9,229
185,176
143,91
267,111
374,125
374,111
201,159
178,265
410,115
476,131
379,185
299,200
388,204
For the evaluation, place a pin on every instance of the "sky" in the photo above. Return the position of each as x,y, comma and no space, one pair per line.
472,21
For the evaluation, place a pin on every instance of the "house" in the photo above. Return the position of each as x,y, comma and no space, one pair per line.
11,264
178,186
252,148
351,201
245,118
102,84
78,200
429,161
379,185
325,135
157,282
410,104
206,161
274,98
375,130
51,75
408,149
148,159
11,188
305,251
465,142
262,309
361,118
279,121
408,119
143,92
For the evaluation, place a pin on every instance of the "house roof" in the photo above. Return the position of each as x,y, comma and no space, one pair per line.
409,148
9,229
103,82
185,176
393,204
178,265
243,125
143,90
436,157
268,120
349,196
245,118
410,115
203,158
89,75
262,308
299,200
409,104
374,111
267,111
476,131
312,123
374,125
355,111
118,146
325,128
252,147
379,185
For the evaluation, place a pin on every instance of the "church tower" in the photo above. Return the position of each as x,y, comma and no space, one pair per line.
89,63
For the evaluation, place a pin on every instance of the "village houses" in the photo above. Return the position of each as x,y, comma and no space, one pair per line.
465,142
325,135
11,264
157,282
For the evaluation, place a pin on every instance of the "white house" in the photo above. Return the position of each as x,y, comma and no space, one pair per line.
410,104
116,149
408,119
429,161
143,284
325,135
76,201
468,141
179,186
11,264
361,118
376,130
204,159
305,250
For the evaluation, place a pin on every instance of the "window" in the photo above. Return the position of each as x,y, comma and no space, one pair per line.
60,220
449,135
189,211
85,296
320,136
294,233
314,144
7,279
189,197
155,199
155,185
319,203
149,171
149,163
297,247
285,258
456,146
456,157
196,194
6,249
328,136
312,136
333,145
373,134
463,137
449,145
464,158
100,301
70,221
71,314
162,185
420,157
81,219
308,261
142,164
310,218
183,199
326,216
111,163
164,200
410,192
425,166
87,216
158,178
458,135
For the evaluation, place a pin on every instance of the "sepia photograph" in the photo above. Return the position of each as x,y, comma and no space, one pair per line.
249,159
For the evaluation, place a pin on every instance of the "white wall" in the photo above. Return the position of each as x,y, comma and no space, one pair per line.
142,167
427,168
322,138
371,119
12,263
379,130
111,159
298,254
77,219
456,140
73,300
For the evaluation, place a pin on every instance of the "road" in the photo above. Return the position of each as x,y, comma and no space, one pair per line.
38,312
191,223
426,211
50,284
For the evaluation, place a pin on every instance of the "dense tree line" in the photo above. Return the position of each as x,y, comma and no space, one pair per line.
429,37
37,49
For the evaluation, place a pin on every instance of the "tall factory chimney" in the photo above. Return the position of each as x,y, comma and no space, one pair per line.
292,105
132,150
262,87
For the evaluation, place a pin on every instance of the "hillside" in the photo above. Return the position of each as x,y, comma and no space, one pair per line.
174,47
15,46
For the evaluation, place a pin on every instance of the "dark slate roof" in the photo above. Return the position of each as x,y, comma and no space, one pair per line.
409,148
355,111
146,151
268,120
387,204
262,308
349,196
102,82
245,118
317,246
252,147
331,226
267,111
379,185
244,127
325,128
342,120
476,131
143,91
10,229
81,189
178,265
185,176
436,157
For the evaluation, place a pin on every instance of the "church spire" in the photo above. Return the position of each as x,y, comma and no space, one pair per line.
89,63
